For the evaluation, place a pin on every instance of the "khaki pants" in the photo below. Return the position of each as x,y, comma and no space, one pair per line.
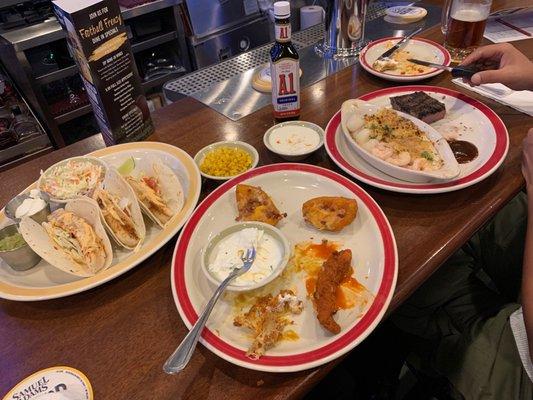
462,312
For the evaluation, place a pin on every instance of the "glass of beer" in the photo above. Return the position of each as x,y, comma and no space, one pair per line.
463,25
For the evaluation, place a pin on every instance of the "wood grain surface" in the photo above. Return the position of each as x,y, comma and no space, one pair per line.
119,334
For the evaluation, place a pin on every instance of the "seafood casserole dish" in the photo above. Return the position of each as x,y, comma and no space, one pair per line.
397,143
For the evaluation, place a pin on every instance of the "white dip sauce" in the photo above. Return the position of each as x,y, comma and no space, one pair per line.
293,139
31,205
228,252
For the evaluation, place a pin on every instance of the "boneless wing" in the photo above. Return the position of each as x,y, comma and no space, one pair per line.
334,271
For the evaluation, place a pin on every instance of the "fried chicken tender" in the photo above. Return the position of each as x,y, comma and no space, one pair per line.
255,205
335,269
330,213
267,319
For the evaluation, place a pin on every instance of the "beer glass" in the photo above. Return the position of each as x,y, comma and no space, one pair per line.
345,28
463,25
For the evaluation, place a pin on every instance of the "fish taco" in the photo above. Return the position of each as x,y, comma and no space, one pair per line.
73,239
158,190
120,211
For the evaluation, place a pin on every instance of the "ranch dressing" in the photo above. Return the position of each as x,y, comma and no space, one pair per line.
228,253
294,139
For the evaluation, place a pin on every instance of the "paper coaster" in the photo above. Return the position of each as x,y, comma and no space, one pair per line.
404,14
262,81
55,383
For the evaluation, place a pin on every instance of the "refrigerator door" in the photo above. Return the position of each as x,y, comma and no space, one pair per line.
229,43
208,16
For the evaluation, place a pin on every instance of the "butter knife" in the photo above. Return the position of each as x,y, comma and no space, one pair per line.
457,72
391,51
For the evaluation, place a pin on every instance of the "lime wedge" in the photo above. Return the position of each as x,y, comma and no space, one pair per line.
127,166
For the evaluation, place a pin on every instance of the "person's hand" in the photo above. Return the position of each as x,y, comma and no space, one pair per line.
513,69
527,160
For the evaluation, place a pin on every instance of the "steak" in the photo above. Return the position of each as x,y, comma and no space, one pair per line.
420,105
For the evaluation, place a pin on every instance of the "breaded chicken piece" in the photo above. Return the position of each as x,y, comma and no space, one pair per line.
255,205
330,213
267,319
335,269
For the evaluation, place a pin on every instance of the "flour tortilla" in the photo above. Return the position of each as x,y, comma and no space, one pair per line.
37,238
115,184
169,184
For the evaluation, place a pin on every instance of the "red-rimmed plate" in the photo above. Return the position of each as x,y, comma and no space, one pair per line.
466,119
418,48
374,260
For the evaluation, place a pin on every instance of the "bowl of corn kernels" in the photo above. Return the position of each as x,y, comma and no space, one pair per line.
225,160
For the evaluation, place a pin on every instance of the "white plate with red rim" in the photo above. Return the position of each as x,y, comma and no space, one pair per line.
375,262
475,122
418,48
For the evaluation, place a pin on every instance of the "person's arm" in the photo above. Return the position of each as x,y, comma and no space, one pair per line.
527,271
513,69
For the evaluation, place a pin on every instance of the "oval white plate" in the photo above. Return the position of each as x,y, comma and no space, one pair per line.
370,238
419,48
46,282
479,125
449,170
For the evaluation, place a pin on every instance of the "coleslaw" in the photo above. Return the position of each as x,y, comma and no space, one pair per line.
71,179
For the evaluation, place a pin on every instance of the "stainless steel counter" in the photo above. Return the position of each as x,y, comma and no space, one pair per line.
235,98
226,87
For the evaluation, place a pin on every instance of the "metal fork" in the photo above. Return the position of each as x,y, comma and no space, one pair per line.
181,356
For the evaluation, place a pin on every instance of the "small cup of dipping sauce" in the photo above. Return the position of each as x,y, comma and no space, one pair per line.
15,251
294,140
224,251
28,205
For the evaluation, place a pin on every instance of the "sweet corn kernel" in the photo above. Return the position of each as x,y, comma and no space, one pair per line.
226,161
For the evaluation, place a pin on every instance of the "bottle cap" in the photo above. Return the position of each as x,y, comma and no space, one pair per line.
282,9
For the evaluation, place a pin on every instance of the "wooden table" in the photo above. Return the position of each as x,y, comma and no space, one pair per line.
119,334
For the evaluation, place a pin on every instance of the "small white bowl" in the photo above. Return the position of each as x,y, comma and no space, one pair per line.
90,159
271,230
294,156
199,157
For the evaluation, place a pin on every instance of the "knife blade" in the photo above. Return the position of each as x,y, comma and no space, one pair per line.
457,72
391,51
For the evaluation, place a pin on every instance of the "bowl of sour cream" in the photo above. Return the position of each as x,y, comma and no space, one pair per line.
224,251
33,204
294,140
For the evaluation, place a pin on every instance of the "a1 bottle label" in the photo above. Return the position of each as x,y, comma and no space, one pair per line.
283,32
285,74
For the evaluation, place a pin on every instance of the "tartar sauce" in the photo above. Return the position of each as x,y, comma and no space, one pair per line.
31,205
294,139
228,253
